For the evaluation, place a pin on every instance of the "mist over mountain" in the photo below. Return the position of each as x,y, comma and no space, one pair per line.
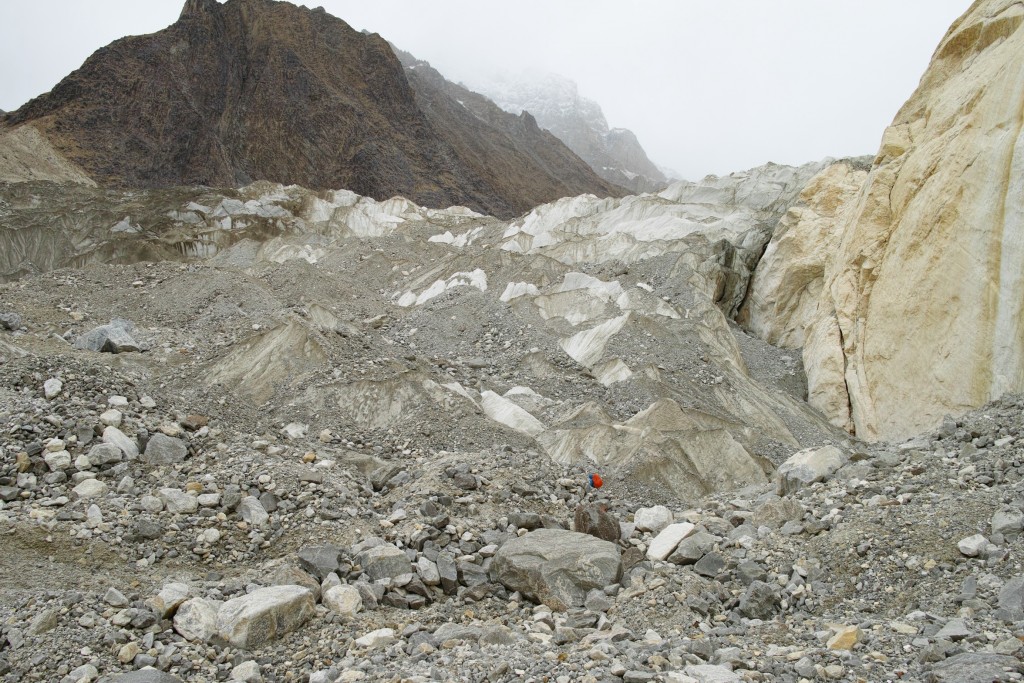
614,153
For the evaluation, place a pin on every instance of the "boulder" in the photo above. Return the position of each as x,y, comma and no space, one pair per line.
164,450
105,454
556,567
972,667
178,502
652,519
10,321
759,601
665,542
711,673
320,560
596,521
806,467
114,337
344,600
383,561
253,620
169,599
146,675
692,548
113,435
1011,600
196,620
251,510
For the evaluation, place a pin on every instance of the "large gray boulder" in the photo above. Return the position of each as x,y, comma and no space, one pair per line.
557,567
974,667
164,450
114,337
384,562
253,620
142,676
807,467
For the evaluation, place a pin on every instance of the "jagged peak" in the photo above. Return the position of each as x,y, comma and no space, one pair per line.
198,7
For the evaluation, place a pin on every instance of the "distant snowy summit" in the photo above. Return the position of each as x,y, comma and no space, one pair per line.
614,153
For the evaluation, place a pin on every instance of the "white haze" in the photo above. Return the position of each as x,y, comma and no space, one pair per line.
708,86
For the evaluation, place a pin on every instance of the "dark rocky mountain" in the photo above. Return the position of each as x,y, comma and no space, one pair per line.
255,89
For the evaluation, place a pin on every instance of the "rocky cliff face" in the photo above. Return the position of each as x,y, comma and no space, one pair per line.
615,154
920,307
254,89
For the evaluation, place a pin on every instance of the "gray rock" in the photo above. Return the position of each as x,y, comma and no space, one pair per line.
115,436
449,573
807,467
667,540
384,561
114,337
711,673
525,520
251,510
972,546
777,511
954,630
44,621
1011,600
595,521
104,454
711,565
344,600
759,601
169,599
196,620
371,593
749,571
1009,523
90,488
976,667
164,450
320,560
557,567
252,621
142,676
692,548
9,320
652,519
428,572
115,598
178,502
52,388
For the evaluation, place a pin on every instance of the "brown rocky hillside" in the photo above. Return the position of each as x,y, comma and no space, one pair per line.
255,89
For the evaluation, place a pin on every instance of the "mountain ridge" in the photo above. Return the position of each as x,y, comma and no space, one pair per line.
255,89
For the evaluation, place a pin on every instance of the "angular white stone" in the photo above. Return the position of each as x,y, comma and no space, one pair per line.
665,542
115,436
972,545
52,388
344,600
252,621
196,620
652,519
374,639
808,466
90,488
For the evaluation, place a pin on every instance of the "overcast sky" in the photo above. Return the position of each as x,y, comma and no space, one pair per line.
708,86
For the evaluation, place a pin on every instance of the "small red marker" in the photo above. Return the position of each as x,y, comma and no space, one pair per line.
596,481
